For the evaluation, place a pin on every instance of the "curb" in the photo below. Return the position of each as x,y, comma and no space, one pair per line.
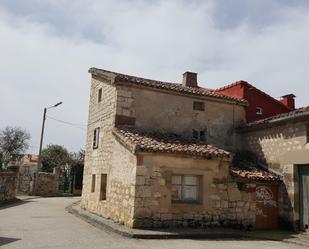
111,226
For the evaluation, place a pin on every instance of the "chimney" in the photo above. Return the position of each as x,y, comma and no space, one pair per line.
189,79
288,100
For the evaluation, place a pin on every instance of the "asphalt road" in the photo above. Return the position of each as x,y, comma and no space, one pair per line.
43,223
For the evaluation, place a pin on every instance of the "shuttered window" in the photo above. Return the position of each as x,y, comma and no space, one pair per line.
103,186
93,183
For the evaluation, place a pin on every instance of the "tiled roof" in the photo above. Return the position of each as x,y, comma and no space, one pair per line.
253,174
174,87
293,114
142,141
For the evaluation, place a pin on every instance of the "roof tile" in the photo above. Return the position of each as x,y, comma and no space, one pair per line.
145,141
175,87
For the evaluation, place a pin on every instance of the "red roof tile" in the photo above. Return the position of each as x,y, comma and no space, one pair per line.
254,174
142,141
174,87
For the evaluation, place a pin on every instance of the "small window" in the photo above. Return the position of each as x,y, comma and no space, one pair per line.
195,134
93,183
307,131
198,105
103,187
100,95
96,136
202,136
199,135
259,111
185,188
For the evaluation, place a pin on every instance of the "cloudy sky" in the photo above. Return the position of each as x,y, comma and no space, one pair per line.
47,46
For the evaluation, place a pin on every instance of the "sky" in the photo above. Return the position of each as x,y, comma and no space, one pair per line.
47,47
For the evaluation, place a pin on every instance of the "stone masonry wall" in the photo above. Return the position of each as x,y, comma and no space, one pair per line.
165,112
7,186
47,184
222,203
26,178
109,158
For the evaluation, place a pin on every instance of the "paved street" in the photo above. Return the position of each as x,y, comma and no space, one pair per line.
43,223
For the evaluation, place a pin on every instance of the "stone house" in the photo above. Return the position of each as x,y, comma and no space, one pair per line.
282,142
158,154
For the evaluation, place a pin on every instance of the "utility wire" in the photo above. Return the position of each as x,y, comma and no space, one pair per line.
67,123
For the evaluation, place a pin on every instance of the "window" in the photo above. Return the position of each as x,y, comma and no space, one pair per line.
93,183
199,135
195,134
307,130
198,105
185,188
259,111
100,95
202,136
96,136
103,186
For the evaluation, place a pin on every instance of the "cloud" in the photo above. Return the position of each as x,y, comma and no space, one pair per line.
48,46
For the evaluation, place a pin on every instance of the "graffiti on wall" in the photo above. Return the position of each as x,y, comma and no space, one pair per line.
265,196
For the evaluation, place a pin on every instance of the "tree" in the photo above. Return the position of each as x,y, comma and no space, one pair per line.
54,156
14,141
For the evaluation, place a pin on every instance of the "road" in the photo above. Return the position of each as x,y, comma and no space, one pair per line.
43,223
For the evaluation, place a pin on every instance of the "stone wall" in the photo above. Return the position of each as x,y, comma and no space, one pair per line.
168,112
222,202
47,184
26,178
283,147
7,186
119,203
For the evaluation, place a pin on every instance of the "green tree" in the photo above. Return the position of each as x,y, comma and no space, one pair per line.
14,141
54,156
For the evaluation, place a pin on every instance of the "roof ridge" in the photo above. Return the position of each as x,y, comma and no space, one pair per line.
171,86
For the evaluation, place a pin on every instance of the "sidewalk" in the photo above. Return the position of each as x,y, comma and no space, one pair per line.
301,239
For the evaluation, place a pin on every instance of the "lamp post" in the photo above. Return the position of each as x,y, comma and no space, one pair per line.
43,126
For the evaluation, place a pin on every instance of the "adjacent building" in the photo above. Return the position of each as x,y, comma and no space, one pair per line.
260,104
282,142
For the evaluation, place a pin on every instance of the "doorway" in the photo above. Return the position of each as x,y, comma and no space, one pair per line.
304,196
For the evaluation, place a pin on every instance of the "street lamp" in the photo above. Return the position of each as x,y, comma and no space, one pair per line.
43,126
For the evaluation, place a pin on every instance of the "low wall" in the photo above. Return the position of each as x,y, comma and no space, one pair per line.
47,184
7,186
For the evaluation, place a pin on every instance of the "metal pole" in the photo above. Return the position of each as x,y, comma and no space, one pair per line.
42,135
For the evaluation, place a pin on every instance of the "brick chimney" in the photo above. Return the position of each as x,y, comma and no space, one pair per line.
189,79
288,100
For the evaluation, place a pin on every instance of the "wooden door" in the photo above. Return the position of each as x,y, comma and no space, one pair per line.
266,207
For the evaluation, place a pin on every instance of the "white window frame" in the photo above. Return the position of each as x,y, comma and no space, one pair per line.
96,138
182,198
259,110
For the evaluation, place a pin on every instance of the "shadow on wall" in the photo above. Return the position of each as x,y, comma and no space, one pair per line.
5,240
285,207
